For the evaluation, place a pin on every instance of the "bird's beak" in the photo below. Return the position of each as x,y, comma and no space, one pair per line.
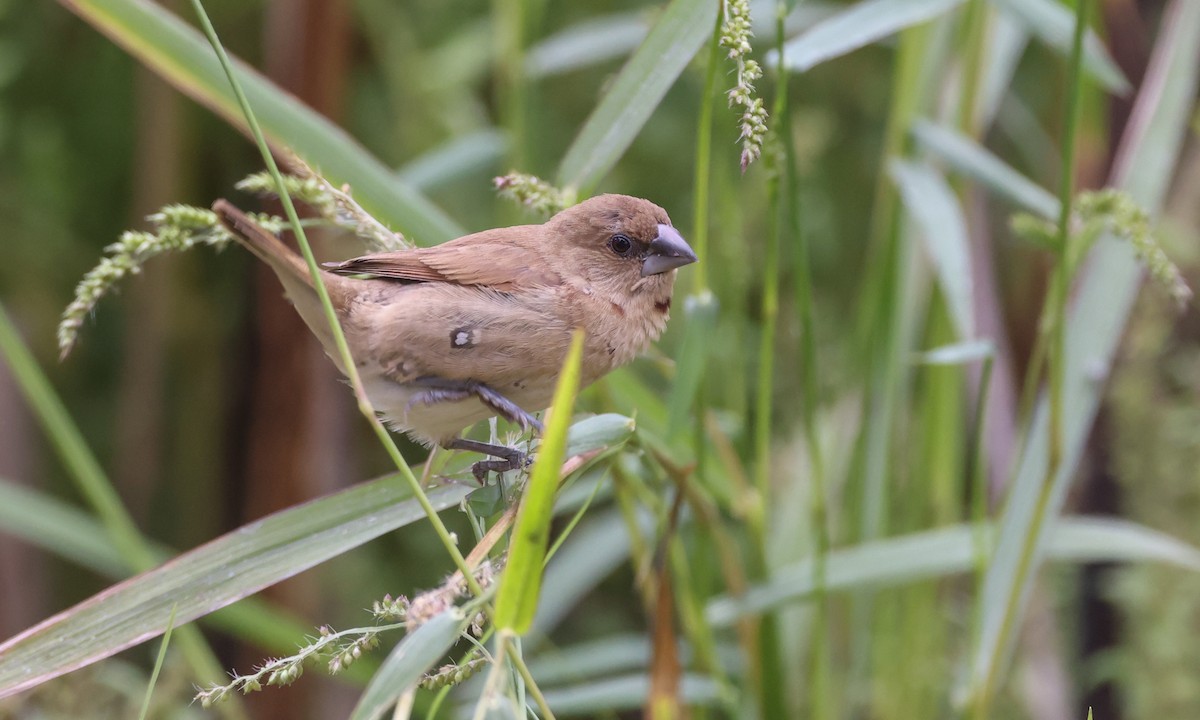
667,251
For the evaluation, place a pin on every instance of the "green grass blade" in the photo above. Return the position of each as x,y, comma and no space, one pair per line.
158,663
957,354
72,449
408,662
858,25
173,49
210,577
522,580
1053,22
976,162
66,531
58,528
676,38
950,551
934,206
460,157
625,693
1097,320
591,42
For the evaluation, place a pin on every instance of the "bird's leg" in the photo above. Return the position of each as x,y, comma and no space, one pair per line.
439,390
512,458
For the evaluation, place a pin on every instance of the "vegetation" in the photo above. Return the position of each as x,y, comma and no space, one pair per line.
892,459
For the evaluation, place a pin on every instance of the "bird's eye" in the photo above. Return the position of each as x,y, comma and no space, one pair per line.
621,245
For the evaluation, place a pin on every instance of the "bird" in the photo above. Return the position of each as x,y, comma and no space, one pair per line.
479,326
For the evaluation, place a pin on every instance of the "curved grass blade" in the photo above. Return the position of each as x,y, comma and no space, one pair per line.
210,577
177,52
636,92
934,206
587,43
408,662
949,551
976,162
517,597
860,24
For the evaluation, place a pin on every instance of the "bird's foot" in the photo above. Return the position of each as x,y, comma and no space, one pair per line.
438,390
510,458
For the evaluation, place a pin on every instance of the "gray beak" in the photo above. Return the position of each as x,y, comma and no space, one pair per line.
667,251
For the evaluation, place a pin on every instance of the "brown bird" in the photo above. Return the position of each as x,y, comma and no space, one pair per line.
479,326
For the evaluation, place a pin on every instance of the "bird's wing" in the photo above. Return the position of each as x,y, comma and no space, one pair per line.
497,259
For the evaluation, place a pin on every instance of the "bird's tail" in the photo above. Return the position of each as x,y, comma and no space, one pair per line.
292,271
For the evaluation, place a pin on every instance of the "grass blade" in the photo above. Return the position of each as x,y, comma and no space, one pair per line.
408,662
976,162
935,208
860,24
177,52
636,92
949,551
518,594
210,577
587,43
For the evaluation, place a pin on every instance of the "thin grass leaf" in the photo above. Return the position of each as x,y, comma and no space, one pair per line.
210,577
58,528
408,662
625,693
461,157
67,532
597,548
1144,166
949,551
591,42
168,46
636,92
858,25
958,353
934,206
976,162
158,663
522,580
1052,21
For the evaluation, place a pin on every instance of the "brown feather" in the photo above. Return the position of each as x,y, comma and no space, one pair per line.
505,259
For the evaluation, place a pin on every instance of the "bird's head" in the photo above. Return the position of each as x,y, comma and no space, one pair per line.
622,244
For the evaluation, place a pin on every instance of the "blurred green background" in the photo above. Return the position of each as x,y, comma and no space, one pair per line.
209,406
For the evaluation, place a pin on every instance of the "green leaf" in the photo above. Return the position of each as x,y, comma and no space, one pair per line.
408,662
609,430
859,24
1052,21
177,52
638,89
1144,166
948,551
522,579
976,162
210,577
935,207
